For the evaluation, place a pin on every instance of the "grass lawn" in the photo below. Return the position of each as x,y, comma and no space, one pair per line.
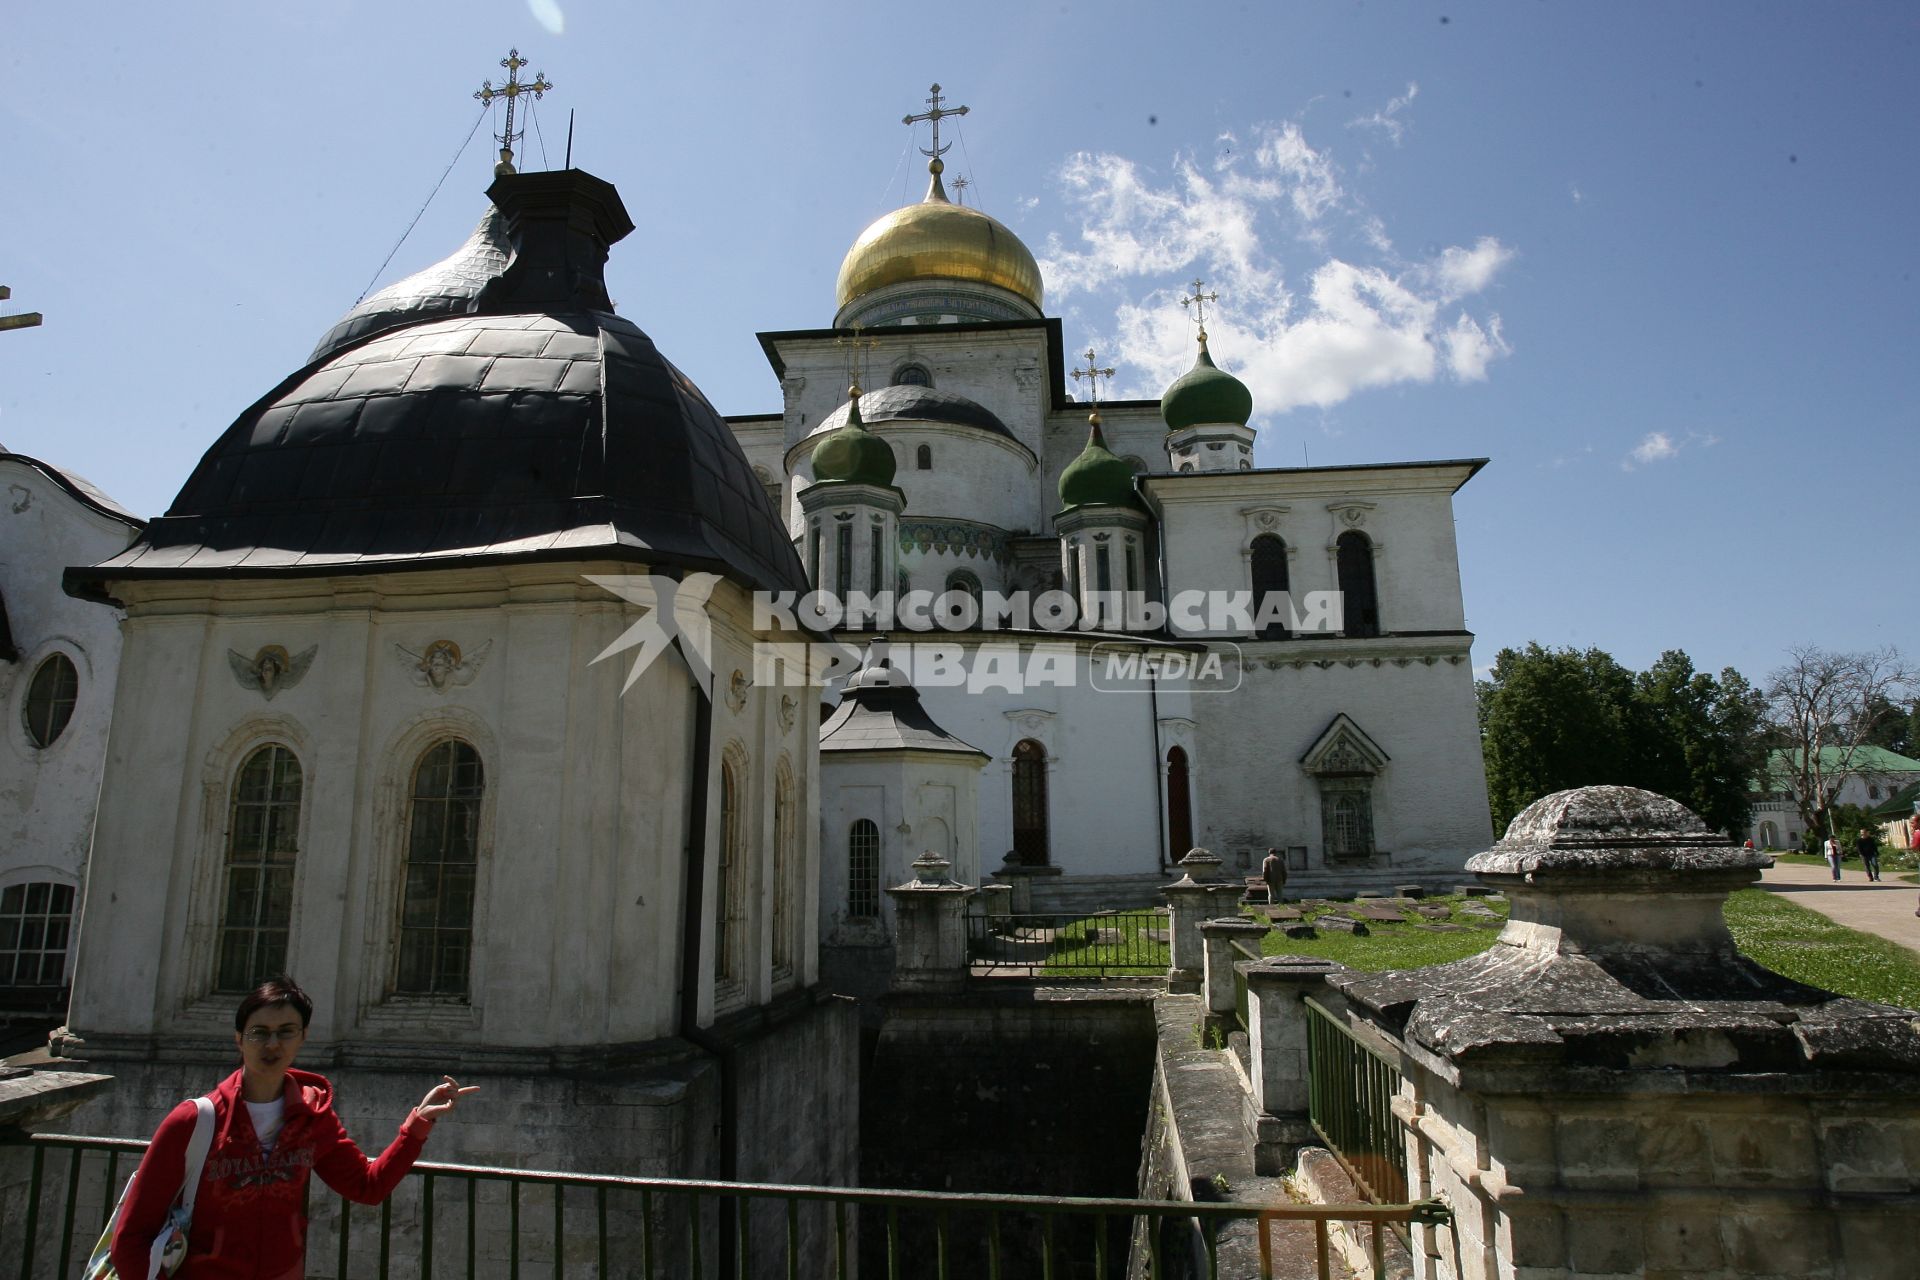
1807,947
1391,946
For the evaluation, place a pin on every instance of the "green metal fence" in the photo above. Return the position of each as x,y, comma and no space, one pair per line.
1066,946
469,1220
1351,1087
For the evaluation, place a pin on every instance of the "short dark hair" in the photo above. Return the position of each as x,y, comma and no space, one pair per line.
275,990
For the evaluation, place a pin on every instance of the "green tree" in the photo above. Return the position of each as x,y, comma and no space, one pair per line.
1551,719
1823,707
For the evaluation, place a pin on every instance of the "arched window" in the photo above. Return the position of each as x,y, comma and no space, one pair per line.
1179,806
1030,803
35,921
912,375
1360,600
1349,828
902,582
923,458
784,857
1269,564
263,831
729,900
863,870
443,857
962,580
50,697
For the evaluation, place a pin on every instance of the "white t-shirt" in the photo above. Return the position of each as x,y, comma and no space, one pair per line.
267,1119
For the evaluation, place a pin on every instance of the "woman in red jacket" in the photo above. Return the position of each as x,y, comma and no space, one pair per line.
272,1127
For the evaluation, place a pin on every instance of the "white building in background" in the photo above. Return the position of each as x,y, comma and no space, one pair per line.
58,661
968,466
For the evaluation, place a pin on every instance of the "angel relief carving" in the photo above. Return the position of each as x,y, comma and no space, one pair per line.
441,664
271,669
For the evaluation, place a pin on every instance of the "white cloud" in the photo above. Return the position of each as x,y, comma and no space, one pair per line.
1387,119
1656,446
547,14
1315,305
1660,446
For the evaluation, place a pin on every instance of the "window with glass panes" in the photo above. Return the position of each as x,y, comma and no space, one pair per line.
443,854
863,870
50,697
35,921
263,832
783,862
729,908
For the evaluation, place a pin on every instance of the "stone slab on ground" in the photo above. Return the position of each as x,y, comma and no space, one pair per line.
1442,928
1109,936
1298,929
1344,924
1384,915
1433,911
1156,935
1477,891
1410,890
1281,913
1370,893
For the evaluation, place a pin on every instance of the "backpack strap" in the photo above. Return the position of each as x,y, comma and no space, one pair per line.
197,1148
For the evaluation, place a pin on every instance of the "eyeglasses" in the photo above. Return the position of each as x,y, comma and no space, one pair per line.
266,1035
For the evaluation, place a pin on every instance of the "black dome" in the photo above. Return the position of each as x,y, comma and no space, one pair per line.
917,404
447,288
540,427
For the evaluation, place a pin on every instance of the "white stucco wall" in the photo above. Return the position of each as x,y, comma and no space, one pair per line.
47,794
577,915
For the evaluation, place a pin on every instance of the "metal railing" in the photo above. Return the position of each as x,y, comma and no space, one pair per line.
1241,1006
469,1220
1350,1090
1068,946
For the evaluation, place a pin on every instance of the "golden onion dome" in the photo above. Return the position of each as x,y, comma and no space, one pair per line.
937,240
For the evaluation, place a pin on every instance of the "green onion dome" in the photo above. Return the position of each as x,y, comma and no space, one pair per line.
853,453
1098,477
1206,394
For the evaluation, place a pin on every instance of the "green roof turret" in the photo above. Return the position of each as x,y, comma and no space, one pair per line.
1098,477
1206,393
852,453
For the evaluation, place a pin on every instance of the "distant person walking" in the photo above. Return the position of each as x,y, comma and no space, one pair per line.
1274,871
1833,856
1868,847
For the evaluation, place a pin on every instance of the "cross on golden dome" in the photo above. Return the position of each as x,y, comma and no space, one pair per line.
511,91
936,114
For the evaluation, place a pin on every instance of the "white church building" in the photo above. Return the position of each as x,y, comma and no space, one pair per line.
969,468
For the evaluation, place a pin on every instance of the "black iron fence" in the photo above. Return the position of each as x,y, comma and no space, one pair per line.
469,1220
1069,946
1351,1087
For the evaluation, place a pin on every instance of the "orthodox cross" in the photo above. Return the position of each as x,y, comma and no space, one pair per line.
23,320
1199,303
856,347
936,115
1093,373
960,186
511,91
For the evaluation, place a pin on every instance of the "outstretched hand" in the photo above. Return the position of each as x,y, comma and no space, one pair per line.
443,1098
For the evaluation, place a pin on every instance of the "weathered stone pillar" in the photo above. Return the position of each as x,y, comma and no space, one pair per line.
1612,1088
993,901
1190,900
1217,937
32,1100
1277,1013
930,928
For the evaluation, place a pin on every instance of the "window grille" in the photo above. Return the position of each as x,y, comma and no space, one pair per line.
50,698
443,854
1359,592
1030,804
1269,567
729,907
263,831
863,870
35,922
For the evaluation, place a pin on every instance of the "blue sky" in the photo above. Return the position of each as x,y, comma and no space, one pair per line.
1656,261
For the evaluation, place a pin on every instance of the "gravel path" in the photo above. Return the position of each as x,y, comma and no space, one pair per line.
1884,908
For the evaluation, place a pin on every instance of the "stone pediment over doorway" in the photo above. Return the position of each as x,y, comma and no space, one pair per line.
1343,748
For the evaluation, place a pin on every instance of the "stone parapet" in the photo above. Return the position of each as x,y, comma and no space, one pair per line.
1277,1048
1217,937
930,922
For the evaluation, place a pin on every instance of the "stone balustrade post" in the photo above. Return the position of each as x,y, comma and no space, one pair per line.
1190,900
930,928
994,902
1277,1014
1217,937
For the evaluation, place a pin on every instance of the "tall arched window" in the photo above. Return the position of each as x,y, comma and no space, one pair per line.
923,458
784,859
1360,599
1179,806
729,899
443,859
263,830
1030,803
963,580
863,870
1269,565
50,697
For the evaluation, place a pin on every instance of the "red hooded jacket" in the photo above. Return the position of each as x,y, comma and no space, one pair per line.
247,1219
